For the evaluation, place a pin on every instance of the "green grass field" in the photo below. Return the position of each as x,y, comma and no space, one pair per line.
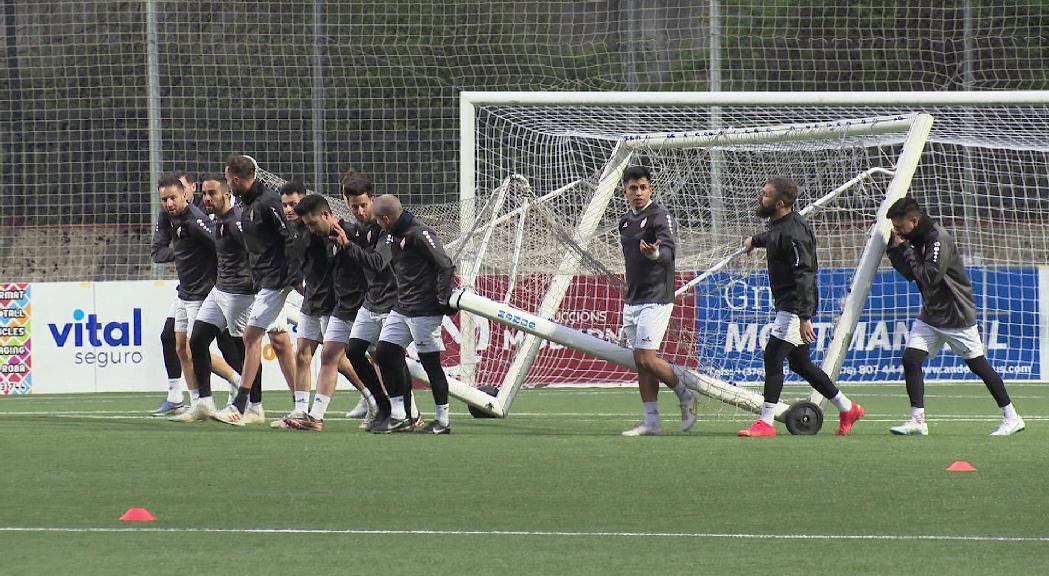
553,489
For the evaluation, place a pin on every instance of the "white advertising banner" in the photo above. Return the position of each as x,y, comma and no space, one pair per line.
105,337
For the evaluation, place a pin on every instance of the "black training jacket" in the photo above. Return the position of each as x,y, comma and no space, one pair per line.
188,240
234,273
268,239
368,247
422,268
790,247
648,281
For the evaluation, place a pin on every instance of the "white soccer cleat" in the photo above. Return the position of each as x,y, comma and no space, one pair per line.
229,415
255,415
643,429
202,410
360,410
1009,426
911,428
689,409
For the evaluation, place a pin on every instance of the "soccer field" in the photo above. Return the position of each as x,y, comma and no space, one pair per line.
553,489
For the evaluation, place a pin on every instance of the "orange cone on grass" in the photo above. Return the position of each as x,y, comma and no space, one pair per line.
138,515
961,466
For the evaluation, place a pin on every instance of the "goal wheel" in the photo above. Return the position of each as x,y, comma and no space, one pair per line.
803,418
477,413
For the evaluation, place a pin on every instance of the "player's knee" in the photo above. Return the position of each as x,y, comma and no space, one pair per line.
387,353
167,335
913,358
645,360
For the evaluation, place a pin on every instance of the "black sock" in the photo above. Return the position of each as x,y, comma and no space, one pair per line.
982,368
355,352
775,353
801,363
241,401
204,334
912,373
431,362
390,358
167,344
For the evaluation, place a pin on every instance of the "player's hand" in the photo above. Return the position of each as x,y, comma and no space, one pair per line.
338,235
447,309
808,335
895,239
748,243
649,249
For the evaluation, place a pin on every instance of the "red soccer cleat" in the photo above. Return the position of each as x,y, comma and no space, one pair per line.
759,428
847,419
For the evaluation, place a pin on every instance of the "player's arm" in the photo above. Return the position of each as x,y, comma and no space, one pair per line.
161,250
929,269
662,248
429,245
895,252
757,241
200,229
801,250
365,257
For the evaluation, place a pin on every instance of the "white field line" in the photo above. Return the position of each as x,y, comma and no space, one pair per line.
544,533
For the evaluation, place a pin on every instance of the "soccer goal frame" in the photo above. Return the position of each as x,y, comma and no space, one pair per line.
537,325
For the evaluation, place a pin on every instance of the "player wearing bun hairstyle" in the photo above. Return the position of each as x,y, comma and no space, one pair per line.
790,249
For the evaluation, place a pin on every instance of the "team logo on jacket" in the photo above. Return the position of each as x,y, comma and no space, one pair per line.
402,243
626,223
178,232
644,221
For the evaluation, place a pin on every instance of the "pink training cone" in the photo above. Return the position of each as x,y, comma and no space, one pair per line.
138,515
961,466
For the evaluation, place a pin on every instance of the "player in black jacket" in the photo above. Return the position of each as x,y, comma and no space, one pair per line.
424,276
267,239
790,247
175,347
184,236
924,252
646,234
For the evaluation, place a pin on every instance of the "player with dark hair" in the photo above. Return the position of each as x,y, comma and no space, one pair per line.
175,345
924,252
790,248
227,306
313,256
267,239
424,275
646,234
349,287
184,235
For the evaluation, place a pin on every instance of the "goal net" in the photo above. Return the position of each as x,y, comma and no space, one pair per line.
543,239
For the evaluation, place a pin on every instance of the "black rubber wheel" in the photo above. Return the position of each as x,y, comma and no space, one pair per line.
803,418
477,413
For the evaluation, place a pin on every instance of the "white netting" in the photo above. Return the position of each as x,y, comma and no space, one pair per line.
981,175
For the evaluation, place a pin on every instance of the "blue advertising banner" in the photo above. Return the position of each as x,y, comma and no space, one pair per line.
735,320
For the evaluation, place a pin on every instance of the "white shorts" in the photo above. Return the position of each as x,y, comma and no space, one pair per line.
644,325
338,330
425,331
368,325
964,341
173,310
224,310
268,309
186,315
313,327
787,327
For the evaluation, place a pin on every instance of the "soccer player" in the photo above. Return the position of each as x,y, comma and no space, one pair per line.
367,246
349,287
175,347
424,275
646,233
790,248
924,252
226,307
185,235
266,237
313,254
